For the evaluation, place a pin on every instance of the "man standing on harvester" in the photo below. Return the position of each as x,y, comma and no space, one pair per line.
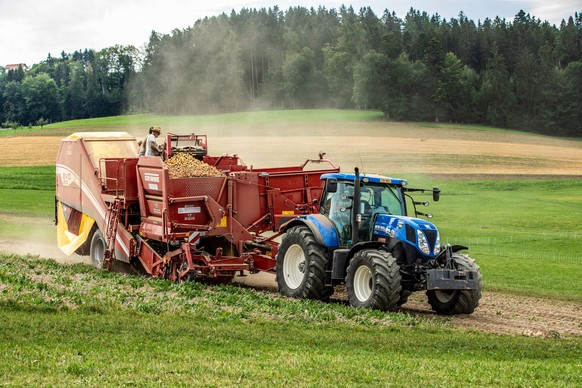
152,148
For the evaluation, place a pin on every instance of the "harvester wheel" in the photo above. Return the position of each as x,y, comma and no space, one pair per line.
97,251
301,265
449,302
373,280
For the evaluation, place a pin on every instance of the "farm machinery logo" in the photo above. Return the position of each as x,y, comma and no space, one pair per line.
386,229
153,180
67,176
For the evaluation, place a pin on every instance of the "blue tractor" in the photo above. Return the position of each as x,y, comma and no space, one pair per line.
363,237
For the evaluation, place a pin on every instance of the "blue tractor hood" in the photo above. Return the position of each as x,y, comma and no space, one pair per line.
421,234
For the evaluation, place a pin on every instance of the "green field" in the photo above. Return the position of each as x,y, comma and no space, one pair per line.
525,234
114,123
72,325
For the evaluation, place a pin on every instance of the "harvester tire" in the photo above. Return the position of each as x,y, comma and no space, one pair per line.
301,265
373,280
457,301
97,251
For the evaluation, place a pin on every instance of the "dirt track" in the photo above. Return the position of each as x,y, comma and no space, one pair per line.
387,148
497,313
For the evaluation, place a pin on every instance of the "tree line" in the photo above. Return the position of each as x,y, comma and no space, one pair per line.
524,74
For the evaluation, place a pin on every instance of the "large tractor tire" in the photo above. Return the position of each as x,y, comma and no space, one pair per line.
373,280
449,302
97,251
301,265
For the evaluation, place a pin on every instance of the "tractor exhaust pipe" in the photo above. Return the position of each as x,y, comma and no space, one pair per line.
356,216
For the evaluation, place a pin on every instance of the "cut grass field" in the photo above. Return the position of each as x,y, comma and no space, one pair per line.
71,325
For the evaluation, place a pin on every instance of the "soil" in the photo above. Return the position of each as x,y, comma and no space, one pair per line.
497,312
387,148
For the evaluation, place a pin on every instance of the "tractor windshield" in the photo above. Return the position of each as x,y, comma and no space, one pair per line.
381,198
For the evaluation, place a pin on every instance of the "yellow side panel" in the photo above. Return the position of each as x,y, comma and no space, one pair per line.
67,241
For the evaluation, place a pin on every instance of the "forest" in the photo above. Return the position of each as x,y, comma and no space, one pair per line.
523,74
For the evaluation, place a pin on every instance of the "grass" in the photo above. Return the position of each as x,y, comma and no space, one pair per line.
524,234
465,127
193,121
27,190
72,325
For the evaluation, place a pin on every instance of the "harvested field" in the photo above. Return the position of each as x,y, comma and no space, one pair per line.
388,148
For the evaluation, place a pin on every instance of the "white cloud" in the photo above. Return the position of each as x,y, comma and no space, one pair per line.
555,11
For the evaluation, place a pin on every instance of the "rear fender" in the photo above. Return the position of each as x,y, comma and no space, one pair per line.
323,229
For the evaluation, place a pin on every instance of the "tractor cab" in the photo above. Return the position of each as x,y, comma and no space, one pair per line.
372,208
378,195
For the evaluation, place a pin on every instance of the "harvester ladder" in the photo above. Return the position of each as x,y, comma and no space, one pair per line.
111,231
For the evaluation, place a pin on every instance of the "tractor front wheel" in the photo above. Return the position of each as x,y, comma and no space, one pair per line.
97,249
373,280
449,302
301,265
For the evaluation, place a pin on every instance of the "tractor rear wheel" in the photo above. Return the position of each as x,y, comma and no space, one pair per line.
97,249
373,280
449,302
301,265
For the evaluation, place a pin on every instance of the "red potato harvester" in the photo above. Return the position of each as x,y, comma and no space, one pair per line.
112,205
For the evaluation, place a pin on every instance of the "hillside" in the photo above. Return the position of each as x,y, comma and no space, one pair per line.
353,138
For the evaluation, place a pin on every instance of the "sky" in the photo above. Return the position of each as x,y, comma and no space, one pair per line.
31,29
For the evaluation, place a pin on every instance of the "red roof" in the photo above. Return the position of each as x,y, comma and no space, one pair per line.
14,66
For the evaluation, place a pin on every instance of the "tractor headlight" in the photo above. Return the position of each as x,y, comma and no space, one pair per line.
437,245
422,243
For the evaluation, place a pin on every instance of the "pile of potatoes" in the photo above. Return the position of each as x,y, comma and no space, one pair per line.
183,165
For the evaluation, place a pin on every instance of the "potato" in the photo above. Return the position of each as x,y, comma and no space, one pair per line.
182,165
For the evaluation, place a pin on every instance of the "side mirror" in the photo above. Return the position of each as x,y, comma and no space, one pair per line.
331,185
436,194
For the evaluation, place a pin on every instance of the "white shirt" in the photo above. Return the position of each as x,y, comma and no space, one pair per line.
148,148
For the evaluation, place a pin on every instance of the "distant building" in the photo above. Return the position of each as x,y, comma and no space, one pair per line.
14,66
